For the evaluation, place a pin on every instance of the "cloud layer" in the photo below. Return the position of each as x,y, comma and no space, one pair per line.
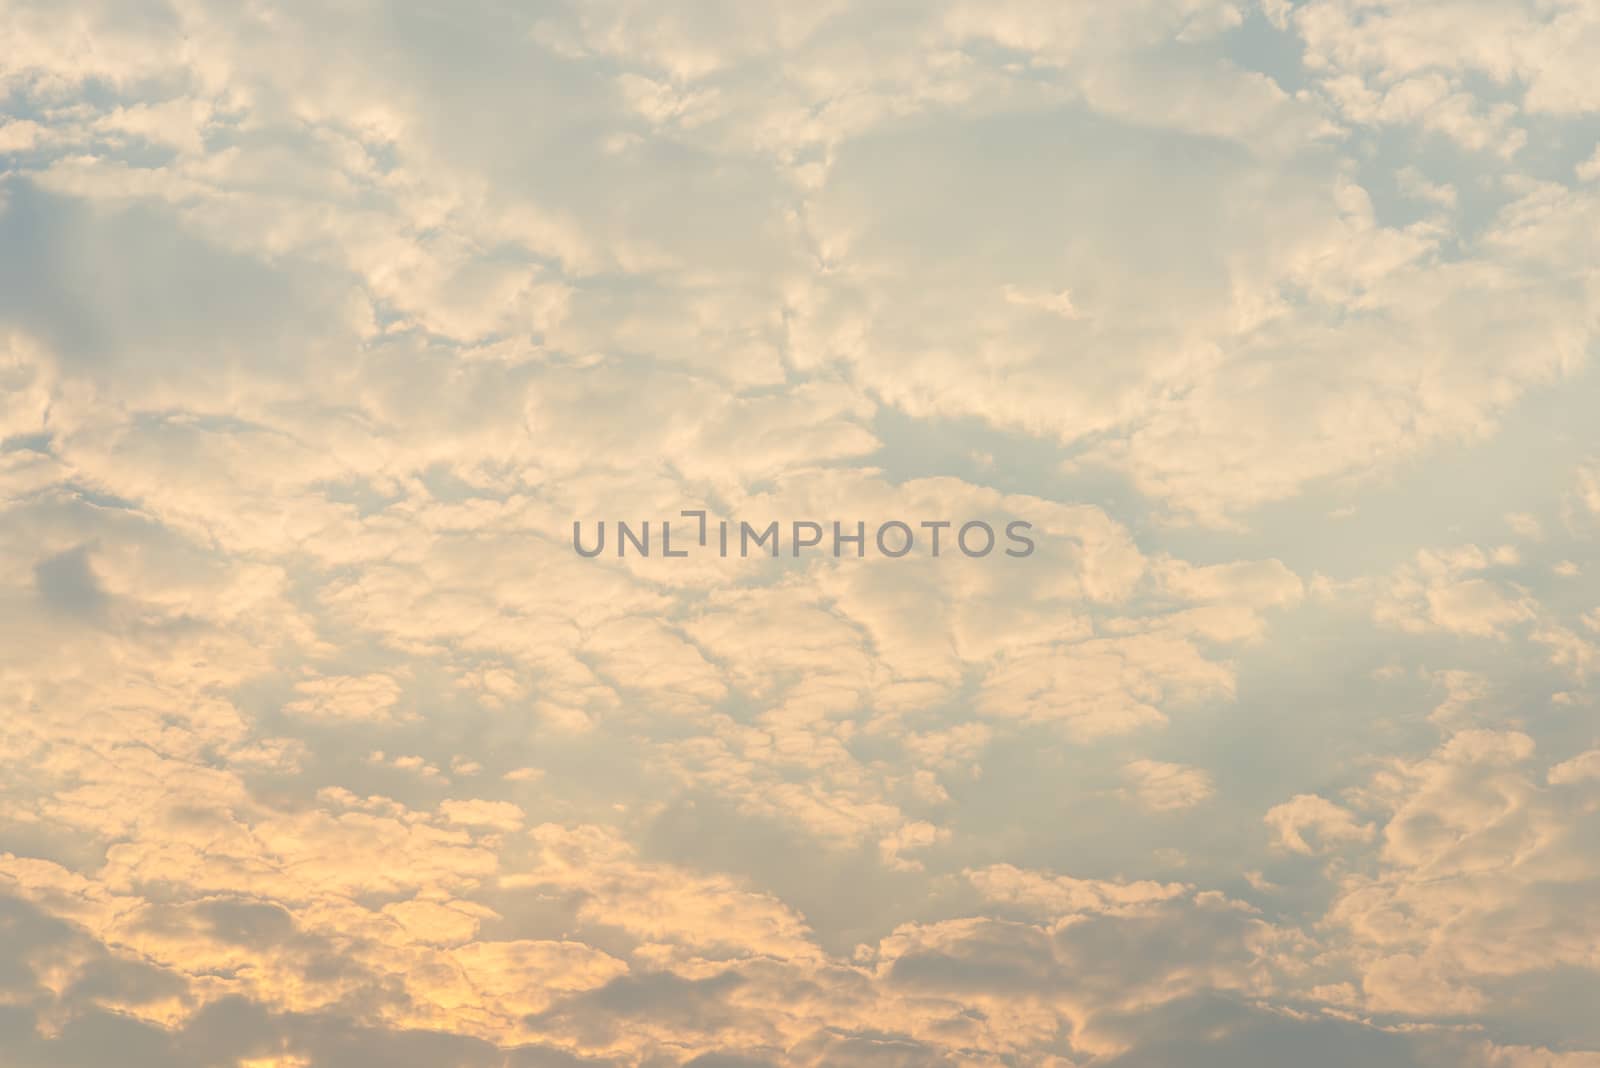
321,324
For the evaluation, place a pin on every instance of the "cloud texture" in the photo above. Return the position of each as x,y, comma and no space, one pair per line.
320,324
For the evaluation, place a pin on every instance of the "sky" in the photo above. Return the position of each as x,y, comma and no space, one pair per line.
322,323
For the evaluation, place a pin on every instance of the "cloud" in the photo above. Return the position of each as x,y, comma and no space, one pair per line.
346,699
320,326
1330,824
1445,590
1163,786
1470,838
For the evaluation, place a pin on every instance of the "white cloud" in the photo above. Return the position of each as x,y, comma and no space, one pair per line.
1163,786
1329,825
320,325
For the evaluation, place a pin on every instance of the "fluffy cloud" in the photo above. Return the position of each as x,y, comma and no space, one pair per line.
1329,824
319,327
1162,786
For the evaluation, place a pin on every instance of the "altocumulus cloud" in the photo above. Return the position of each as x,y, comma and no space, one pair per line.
320,325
